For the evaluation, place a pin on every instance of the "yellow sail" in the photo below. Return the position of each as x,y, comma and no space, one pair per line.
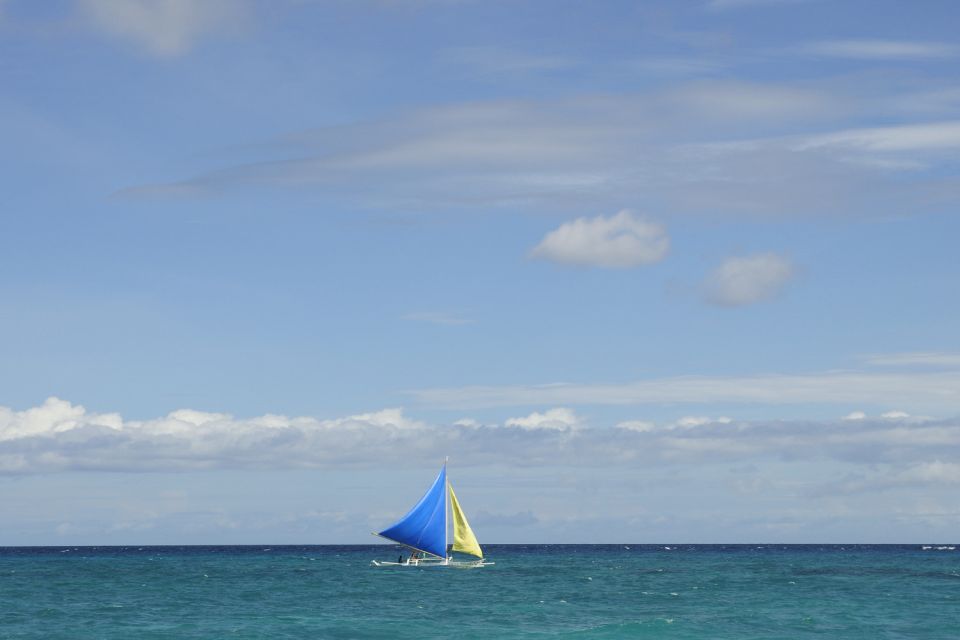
463,539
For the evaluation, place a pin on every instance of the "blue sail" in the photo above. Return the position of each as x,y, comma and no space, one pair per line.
425,526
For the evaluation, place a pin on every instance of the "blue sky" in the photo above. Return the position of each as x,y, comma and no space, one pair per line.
660,271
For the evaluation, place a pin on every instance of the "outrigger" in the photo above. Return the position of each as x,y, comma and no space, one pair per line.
424,531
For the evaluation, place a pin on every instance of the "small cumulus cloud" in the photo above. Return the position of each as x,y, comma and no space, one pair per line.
854,416
163,28
740,281
690,422
559,419
640,426
895,415
616,242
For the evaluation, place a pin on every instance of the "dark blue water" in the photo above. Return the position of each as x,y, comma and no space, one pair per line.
573,591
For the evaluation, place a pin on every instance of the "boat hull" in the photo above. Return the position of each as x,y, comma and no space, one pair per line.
457,564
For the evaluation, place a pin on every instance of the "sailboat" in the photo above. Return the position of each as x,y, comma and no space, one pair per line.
424,531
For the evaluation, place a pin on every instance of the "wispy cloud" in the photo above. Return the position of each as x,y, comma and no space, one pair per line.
561,151
720,147
881,49
932,391
916,358
740,281
931,136
163,28
620,241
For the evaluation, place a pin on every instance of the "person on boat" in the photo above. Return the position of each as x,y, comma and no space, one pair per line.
400,559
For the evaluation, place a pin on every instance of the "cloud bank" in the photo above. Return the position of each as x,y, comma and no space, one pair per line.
58,436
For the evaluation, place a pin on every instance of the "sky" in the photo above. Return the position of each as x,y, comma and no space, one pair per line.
675,271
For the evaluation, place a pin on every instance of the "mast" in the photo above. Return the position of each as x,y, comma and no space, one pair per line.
446,513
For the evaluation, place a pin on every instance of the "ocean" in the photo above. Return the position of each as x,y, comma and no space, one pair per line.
533,591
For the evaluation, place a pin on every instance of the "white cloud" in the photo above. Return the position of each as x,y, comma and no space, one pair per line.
686,422
59,436
690,422
881,49
641,426
162,27
854,416
741,281
559,419
620,241
895,415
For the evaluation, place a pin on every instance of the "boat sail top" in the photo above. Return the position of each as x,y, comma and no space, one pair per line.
424,528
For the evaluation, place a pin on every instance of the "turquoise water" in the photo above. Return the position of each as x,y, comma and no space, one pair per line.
595,591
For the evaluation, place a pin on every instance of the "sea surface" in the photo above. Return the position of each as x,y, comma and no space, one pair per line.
533,591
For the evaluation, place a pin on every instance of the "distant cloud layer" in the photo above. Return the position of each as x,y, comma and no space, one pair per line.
59,436
745,280
620,241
